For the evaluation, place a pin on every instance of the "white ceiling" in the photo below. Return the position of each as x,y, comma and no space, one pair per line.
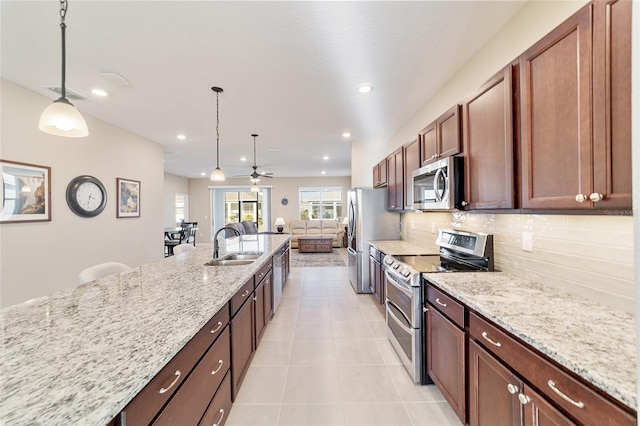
289,71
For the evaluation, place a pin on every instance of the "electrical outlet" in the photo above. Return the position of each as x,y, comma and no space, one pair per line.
527,241
433,228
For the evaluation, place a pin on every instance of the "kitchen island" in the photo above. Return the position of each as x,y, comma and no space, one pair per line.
80,355
595,342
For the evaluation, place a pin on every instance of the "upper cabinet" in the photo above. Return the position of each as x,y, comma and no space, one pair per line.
411,159
395,181
380,174
487,127
442,137
576,143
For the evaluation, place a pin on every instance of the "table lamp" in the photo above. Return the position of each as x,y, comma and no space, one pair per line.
279,224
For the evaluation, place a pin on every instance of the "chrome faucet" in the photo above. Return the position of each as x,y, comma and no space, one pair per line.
216,246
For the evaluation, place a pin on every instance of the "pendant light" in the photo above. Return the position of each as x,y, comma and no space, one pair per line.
255,187
61,118
217,174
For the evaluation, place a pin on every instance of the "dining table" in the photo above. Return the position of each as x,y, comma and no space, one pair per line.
170,233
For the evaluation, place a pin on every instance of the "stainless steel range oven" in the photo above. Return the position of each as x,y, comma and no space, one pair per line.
406,328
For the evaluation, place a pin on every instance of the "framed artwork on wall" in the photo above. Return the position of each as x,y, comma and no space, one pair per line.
25,191
128,197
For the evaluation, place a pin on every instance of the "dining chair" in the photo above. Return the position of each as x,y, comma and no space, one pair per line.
183,248
101,270
169,245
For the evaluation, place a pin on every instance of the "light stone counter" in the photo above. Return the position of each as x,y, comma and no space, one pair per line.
594,341
404,248
78,356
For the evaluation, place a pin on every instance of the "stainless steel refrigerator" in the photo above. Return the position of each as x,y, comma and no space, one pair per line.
369,220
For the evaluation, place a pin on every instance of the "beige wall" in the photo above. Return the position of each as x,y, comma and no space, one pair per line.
40,258
200,206
173,185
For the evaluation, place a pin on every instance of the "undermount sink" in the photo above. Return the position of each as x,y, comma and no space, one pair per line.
234,259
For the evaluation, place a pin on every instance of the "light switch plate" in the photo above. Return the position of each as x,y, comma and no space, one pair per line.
527,241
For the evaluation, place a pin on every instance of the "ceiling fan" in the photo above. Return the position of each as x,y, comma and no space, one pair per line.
255,176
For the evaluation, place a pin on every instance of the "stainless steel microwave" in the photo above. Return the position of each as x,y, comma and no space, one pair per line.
439,185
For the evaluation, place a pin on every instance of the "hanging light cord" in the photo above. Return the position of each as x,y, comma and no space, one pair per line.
254,153
218,129
63,27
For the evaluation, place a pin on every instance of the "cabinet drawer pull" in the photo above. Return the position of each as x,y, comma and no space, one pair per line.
245,294
488,339
513,389
220,362
524,399
178,373
213,331
444,305
553,387
221,416
255,299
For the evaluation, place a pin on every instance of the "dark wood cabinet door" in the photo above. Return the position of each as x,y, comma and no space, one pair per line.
268,298
242,344
382,172
192,399
259,313
376,176
411,158
218,410
448,131
555,88
428,144
395,179
538,412
487,128
446,359
375,279
490,400
612,103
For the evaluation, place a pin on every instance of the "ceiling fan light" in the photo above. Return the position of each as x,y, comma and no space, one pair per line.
217,175
61,118
255,188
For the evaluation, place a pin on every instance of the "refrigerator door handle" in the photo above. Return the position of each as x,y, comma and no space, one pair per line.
351,251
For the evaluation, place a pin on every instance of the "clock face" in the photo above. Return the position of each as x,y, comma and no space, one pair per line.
284,201
89,196
86,196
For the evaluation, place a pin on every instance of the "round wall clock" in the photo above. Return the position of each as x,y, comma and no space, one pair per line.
284,201
86,196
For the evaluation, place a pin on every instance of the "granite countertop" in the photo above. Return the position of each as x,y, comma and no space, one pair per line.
80,355
404,248
594,341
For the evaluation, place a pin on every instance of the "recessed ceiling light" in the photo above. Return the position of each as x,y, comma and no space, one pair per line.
203,174
243,158
323,172
365,88
326,157
346,135
99,92
181,137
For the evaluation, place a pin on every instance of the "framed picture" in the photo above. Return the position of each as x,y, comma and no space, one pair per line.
128,198
25,191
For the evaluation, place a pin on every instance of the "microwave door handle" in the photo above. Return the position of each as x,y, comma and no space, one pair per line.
435,185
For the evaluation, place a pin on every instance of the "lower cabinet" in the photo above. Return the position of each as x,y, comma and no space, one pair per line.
446,359
376,271
242,342
263,305
538,412
219,408
493,390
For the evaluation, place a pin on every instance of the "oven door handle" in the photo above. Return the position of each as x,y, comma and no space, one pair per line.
390,279
394,317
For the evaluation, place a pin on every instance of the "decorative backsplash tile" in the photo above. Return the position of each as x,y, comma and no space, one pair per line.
587,255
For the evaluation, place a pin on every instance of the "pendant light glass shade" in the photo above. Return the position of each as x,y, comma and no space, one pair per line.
217,175
61,118
255,188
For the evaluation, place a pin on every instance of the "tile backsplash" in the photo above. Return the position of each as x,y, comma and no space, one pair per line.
587,255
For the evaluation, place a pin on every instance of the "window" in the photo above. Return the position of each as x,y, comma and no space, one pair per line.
320,203
181,207
241,206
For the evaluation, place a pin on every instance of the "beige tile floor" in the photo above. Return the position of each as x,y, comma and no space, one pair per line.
325,360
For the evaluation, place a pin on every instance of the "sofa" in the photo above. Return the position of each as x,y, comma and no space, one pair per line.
318,228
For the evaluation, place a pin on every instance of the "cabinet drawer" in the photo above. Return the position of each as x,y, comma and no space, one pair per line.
323,247
218,410
262,272
144,407
241,296
564,389
192,399
447,305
